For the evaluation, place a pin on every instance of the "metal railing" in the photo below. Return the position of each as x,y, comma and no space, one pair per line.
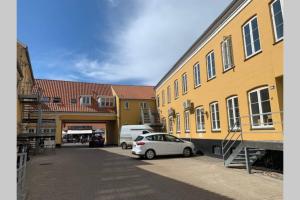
266,124
21,172
233,137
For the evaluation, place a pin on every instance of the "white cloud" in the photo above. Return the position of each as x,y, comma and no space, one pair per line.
146,38
148,45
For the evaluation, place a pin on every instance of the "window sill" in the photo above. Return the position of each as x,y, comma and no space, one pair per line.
256,53
184,93
203,131
176,98
188,131
216,131
212,78
261,128
178,132
278,41
196,86
229,69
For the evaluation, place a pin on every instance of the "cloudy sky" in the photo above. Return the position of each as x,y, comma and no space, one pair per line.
111,41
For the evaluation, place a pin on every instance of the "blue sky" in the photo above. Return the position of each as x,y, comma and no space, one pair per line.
111,41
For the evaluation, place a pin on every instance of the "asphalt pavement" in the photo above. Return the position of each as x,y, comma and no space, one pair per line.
93,174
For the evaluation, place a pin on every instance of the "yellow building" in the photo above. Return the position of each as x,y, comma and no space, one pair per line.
25,82
229,84
69,103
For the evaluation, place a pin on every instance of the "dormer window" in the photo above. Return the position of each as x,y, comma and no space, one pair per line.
85,100
56,100
106,101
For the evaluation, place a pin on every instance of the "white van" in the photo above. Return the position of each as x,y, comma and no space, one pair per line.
130,132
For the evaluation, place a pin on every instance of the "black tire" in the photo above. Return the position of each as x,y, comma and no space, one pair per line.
150,154
187,152
124,145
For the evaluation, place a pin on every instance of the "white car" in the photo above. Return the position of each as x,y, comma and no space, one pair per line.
156,144
129,133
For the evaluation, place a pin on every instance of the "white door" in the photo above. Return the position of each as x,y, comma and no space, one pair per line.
158,144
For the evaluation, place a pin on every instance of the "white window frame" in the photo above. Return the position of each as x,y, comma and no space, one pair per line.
187,121
178,123
170,124
234,113
251,38
197,79
126,105
210,65
261,126
169,94
107,100
176,92
273,20
144,105
184,83
227,57
83,99
200,110
163,97
214,121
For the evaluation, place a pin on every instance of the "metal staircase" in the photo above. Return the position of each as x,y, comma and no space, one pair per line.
149,117
235,151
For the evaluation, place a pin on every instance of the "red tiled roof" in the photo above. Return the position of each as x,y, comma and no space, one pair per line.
68,90
134,92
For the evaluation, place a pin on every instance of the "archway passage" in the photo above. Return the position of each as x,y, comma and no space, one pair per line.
80,133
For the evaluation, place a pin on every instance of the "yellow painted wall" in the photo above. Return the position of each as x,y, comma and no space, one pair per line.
23,84
247,74
133,114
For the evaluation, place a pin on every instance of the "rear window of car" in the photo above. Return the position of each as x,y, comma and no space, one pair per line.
139,138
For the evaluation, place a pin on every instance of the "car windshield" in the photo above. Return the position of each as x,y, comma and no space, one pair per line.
139,138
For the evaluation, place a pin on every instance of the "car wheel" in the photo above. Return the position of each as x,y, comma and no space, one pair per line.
187,152
150,154
124,145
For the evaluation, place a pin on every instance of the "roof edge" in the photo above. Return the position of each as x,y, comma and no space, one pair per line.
212,27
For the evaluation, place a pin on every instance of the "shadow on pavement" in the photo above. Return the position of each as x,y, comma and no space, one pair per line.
90,174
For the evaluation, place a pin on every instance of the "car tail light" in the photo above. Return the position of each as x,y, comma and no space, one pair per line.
140,143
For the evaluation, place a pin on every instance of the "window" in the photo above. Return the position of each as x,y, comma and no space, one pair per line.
45,99
56,100
155,138
184,83
233,113
73,101
126,105
176,94
200,119
277,17
163,97
210,63
251,37
158,101
31,130
104,101
169,94
143,105
215,118
260,108
227,53
85,100
187,121
170,124
217,150
170,138
197,81
177,123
